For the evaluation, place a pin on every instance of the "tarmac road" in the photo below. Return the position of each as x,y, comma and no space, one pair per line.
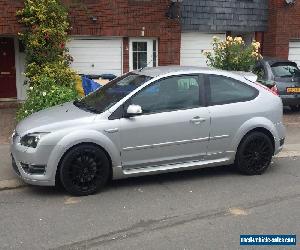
203,209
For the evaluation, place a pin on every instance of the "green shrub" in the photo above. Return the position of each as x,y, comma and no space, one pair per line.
45,36
51,80
233,54
44,95
58,72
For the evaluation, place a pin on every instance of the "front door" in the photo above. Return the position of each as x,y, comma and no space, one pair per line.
174,125
143,53
7,68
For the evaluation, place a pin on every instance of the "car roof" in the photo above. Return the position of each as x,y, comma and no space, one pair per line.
273,60
163,70
167,70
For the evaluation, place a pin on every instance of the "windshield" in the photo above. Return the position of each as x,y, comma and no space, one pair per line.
285,70
108,95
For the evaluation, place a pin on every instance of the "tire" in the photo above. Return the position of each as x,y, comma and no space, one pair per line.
254,154
295,108
84,170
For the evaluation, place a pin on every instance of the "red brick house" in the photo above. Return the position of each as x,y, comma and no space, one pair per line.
283,36
115,36
109,36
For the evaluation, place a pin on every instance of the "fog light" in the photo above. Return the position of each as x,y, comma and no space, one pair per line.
281,141
33,169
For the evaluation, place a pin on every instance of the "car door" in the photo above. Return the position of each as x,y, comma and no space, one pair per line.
173,127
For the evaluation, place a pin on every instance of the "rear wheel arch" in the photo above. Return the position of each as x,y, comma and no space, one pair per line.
262,130
255,151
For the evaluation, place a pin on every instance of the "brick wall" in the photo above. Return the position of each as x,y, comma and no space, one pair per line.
284,25
125,18
8,20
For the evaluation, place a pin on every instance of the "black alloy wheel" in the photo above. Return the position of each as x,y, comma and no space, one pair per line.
84,170
254,154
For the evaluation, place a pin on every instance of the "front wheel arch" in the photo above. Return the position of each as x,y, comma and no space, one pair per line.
57,174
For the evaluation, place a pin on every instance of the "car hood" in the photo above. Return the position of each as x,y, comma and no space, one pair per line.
54,118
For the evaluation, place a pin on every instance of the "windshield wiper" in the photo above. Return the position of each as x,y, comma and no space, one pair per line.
84,106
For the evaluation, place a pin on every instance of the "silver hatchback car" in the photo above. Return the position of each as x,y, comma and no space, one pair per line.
151,121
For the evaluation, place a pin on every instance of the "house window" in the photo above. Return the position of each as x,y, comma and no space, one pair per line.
142,53
139,53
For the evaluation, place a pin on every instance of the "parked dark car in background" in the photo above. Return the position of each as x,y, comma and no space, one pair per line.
283,77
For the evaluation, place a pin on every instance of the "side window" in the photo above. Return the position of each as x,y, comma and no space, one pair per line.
227,90
172,93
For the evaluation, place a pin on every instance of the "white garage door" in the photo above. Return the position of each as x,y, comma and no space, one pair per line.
96,56
192,46
294,52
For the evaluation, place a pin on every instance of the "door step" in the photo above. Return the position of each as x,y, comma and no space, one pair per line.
176,167
9,103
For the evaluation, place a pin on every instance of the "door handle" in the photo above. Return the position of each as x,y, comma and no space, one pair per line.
111,130
198,120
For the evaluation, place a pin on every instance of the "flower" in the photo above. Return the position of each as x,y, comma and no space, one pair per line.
46,36
238,39
254,54
256,45
205,52
31,88
44,93
229,38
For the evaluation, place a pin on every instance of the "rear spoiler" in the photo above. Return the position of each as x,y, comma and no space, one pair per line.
247,75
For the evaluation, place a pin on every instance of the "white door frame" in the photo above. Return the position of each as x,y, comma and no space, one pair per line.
149,50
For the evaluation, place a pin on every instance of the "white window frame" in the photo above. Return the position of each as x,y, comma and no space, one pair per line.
149,51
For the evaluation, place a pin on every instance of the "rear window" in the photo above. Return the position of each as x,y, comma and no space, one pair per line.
285,70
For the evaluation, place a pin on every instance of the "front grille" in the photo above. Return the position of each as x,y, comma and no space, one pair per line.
15,167
33,169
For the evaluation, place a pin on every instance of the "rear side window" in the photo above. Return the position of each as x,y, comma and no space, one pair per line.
224,90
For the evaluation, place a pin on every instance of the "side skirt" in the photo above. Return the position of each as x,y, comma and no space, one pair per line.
120,173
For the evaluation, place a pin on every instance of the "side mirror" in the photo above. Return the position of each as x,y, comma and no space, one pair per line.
133,110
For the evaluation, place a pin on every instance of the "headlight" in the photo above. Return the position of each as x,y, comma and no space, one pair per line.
31,140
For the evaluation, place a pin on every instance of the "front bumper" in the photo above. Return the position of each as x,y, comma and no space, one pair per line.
280,137
25,159
288,100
